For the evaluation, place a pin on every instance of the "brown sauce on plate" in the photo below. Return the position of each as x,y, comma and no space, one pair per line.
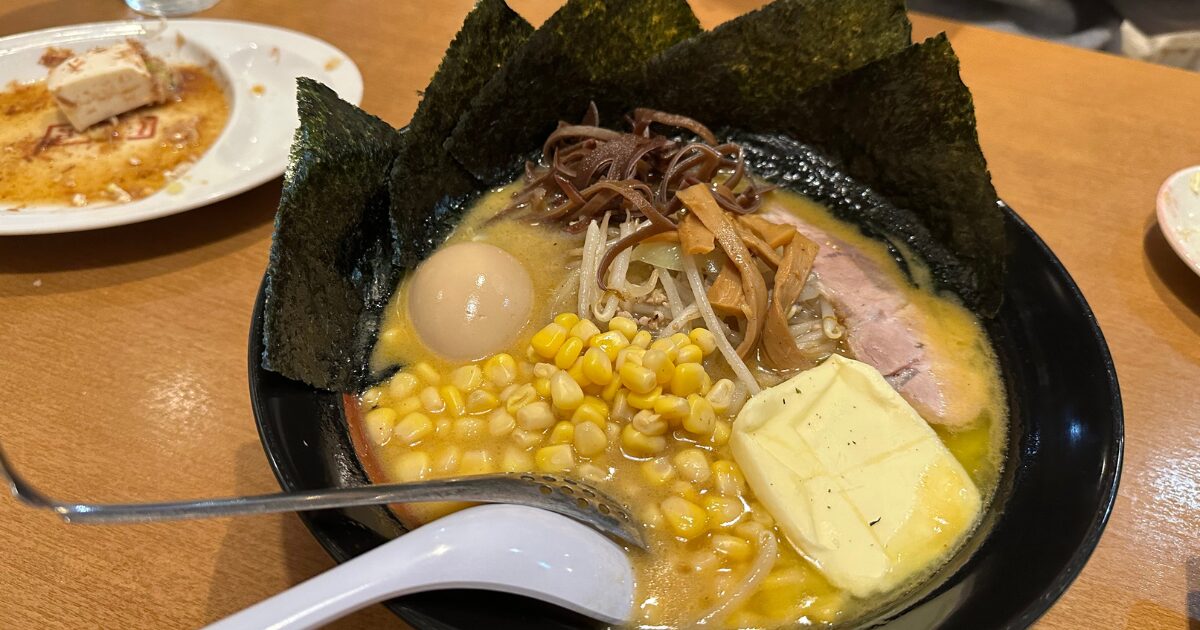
44,161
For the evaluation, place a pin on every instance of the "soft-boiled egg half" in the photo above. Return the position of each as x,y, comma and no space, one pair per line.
469,300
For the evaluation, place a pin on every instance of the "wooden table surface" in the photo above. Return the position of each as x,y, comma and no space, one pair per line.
123,351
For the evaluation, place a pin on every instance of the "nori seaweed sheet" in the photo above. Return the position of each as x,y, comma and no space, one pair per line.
736,74
330,268
589,50
889,145
424,173
905,126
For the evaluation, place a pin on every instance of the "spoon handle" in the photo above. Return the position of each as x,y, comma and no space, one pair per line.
506,548
357,583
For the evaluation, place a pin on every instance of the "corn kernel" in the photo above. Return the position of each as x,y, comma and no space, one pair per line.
621,410
733,547
477,462
642,339
481,401
548,340
527,439
671,407
525,370
689,353
554,458
638,379
390,337
412,466
701,420
658,471
720,395
689,378
431,400
566,320
666,346
589,439
649,423
577,375
544,370
591,410
402,385
680,339
536,416
723,512
658,362
704,339
613,431
442,426
628,354
542,387
515,460
638,444
610,342
684,489
592,473
467,378
508,391
693,465
562,433
568,352
644,401
500,369
427,373
652,517
520,397
748,529
609,393
584,330
501,423
379,423
686,519
720,434
413,428
469,428
407,406
446,460
597,367
455,405
371,398
627,327
727,479
565,392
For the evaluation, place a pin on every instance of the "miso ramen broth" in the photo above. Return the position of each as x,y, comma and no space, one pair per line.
565,397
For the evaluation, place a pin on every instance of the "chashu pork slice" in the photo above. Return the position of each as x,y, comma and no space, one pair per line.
885,330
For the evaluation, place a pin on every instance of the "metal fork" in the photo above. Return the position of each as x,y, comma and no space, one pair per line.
571,498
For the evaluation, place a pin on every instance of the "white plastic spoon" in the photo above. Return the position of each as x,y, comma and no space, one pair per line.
508,548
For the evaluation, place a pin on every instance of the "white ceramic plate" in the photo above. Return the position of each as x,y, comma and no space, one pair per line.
257,66
1179,214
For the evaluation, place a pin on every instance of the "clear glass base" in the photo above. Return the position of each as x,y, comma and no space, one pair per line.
169,8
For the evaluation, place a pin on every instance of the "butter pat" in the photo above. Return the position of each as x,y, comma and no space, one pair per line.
857,480
103,83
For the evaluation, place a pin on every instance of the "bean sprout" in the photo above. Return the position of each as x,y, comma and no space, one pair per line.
715,326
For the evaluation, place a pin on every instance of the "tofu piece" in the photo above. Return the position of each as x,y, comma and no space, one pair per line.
857,480
103,83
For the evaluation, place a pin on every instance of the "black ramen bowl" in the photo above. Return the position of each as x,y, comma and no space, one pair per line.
1053,500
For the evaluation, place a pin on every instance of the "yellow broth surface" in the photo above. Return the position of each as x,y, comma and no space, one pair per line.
701,519
43,160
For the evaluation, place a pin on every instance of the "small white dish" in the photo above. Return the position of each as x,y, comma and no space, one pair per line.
1179,214
257,66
